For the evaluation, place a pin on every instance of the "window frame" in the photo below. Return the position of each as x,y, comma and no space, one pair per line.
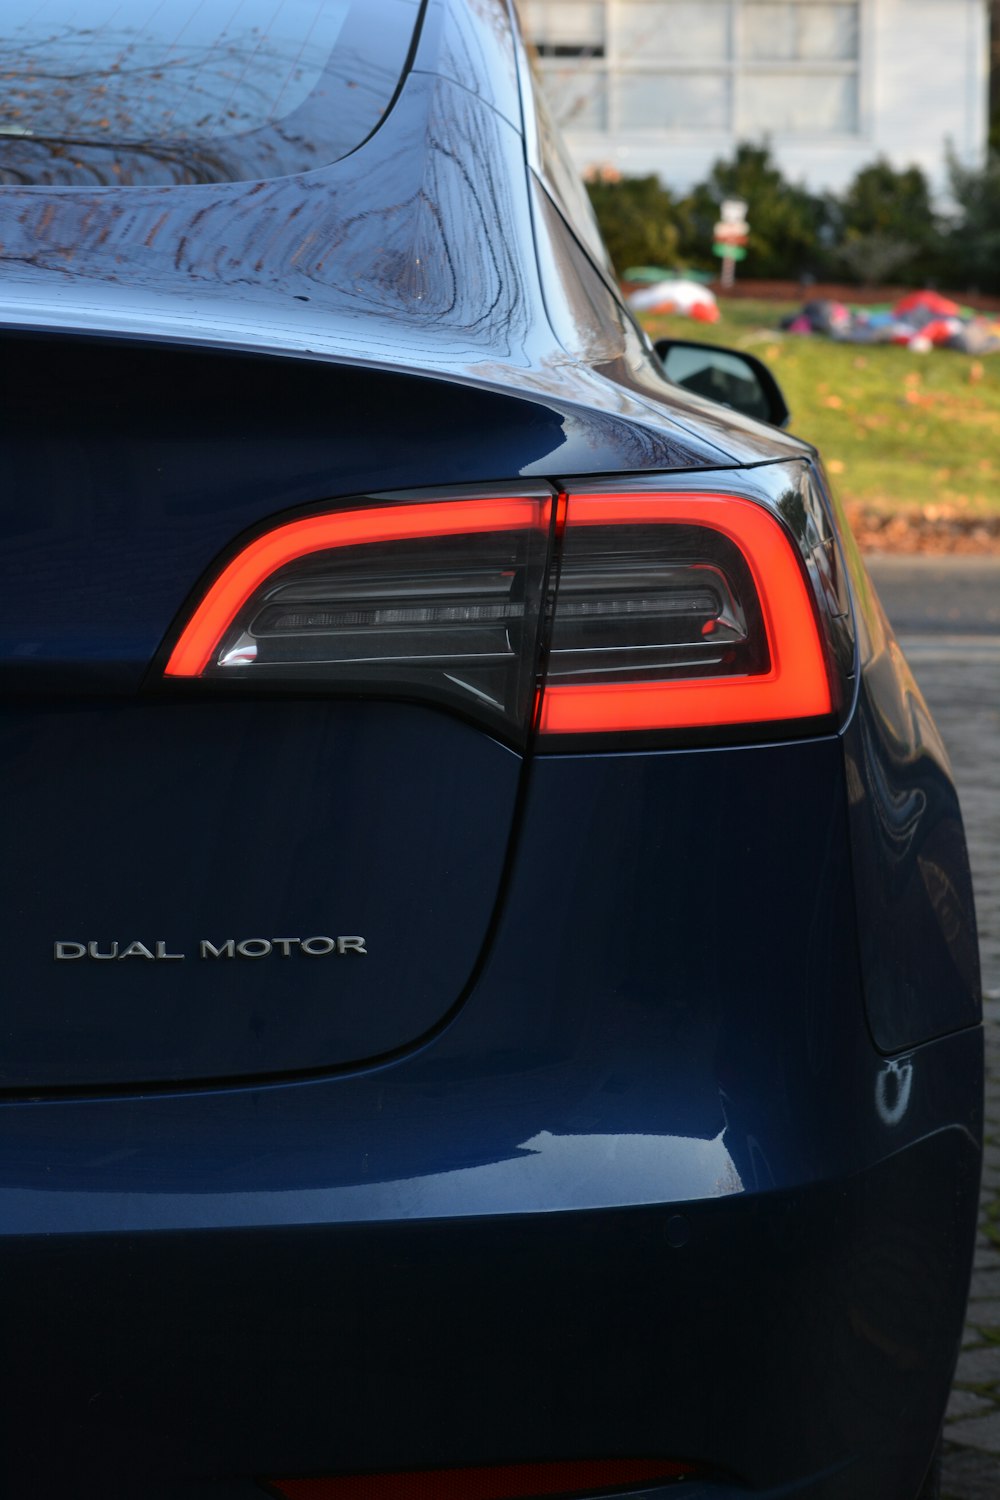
607,65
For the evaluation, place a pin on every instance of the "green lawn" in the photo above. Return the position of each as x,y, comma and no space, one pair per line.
900,431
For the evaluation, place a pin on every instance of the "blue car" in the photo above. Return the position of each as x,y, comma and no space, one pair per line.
491,1002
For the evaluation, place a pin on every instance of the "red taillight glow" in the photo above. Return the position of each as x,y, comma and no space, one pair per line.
660,612
796,684
392,523
501,1482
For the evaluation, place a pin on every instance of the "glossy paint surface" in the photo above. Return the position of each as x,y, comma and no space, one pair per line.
586,984
473,45
676,1150
162,458
416,253
177,823
350,1349
916,915
654,1042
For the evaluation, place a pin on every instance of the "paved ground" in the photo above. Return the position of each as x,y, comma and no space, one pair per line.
947,614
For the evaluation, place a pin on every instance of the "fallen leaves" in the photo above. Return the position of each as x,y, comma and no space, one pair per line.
932,529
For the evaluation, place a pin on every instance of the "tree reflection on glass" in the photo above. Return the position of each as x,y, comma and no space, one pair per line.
140,93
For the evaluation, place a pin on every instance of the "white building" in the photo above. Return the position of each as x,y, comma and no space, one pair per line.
667,86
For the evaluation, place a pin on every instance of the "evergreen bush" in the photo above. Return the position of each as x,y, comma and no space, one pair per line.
973,240
885,224
882,229
638,218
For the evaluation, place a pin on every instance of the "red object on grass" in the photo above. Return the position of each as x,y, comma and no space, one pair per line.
930,302
939,331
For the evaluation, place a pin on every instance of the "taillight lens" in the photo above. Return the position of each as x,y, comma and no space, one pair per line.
679,612
440,600
497,1482
594,615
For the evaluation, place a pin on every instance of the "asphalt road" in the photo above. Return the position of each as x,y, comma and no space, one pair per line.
946,612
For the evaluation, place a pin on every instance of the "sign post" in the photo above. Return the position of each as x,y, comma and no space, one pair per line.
730,235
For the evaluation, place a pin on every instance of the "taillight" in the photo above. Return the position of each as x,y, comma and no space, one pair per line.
605,614
497,1482
679,612
440,601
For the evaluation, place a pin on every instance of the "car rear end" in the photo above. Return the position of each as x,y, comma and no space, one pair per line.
436,1031
490,1002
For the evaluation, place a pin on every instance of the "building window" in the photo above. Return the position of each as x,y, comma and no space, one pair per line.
567,28
671,101
675,31
740,67
800,31
781,104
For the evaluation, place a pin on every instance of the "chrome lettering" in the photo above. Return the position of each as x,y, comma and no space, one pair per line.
259,947
226,950
136,950
161,952
253,948
315,946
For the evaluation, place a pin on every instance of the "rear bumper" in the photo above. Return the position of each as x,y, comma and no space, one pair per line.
798,1340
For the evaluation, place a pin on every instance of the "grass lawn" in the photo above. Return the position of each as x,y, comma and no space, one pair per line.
898,431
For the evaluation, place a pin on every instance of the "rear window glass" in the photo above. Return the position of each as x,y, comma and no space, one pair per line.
136,92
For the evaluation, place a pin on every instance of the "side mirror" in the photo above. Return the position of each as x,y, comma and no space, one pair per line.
729,376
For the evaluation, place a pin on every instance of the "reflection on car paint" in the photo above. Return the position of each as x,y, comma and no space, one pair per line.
892,1090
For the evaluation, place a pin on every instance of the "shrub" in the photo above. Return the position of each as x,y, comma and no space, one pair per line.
973,242
885,222
786,221
873,259
638,219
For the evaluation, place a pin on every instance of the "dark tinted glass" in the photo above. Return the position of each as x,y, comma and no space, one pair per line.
136,92
719,374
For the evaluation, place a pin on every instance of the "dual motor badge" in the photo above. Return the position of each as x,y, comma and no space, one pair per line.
160,951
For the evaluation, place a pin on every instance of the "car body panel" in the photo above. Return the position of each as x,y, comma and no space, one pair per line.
473,46
632,1146
602,1061
581,983
829,1302
301,268
309,821
916,914
164,457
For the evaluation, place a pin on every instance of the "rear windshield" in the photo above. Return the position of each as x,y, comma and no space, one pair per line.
144,92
